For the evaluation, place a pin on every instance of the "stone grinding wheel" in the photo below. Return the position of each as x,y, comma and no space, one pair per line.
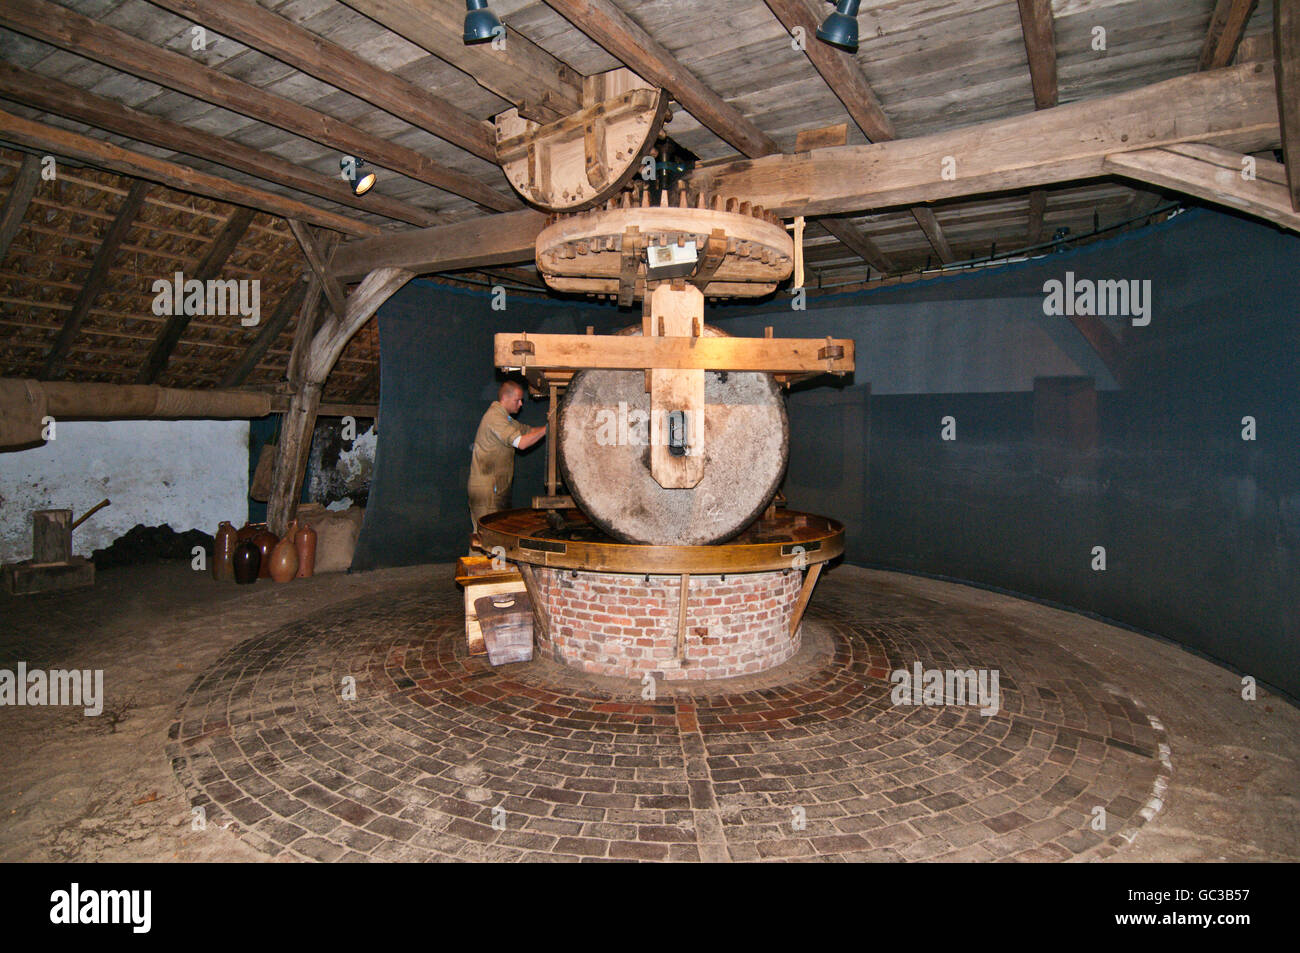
747,447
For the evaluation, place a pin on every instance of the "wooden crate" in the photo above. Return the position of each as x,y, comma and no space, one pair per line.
478,578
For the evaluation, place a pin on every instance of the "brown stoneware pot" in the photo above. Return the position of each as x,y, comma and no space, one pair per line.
246,562
247,531
223,552
265,541
284,558
305,542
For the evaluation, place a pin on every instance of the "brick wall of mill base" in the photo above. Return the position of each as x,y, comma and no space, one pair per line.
626,625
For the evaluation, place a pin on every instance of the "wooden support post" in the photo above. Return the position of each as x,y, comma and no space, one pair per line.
552,469
291,457
809,581
681,617
540,615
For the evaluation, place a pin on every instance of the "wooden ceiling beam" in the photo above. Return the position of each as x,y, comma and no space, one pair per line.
491,240
1286,56
96,278
136,165
316,56
19,199
522,73
221,248
862,246
1227,24
59,98
1037,212
271,329
1232,107
70,31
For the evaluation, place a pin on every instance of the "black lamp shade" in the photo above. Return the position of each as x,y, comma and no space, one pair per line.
480,22
841,27
363,184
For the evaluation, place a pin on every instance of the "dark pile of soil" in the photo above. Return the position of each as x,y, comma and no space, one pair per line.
151,544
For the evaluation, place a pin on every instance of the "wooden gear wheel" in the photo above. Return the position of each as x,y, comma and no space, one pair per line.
742,251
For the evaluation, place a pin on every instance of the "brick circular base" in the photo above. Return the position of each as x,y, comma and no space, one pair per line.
625,625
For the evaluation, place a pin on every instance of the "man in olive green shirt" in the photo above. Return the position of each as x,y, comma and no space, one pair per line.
492,467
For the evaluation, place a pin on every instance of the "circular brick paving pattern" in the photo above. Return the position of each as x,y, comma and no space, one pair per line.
441,757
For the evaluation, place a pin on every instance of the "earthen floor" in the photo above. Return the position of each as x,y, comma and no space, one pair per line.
226,736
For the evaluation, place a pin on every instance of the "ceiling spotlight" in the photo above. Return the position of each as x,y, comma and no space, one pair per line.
841,27
481,24
361,182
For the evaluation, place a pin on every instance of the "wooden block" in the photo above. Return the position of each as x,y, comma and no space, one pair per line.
52,536
677,390
21,579
826,136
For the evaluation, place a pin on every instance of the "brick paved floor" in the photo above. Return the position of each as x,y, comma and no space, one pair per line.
442,757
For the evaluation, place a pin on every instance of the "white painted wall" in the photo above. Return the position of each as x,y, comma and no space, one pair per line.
188,474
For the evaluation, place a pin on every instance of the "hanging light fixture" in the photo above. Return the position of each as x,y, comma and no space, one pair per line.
841,27
351,167
481,24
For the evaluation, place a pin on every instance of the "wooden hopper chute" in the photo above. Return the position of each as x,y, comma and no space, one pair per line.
583,159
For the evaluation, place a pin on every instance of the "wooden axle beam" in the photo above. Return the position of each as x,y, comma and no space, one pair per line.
627,353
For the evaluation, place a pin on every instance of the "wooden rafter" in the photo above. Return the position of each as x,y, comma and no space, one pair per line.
1040,48
522,73
1227,24
137,165
316,56
1286,54
170,335
98,41
271,329
21,191
95,278
60,98
856,242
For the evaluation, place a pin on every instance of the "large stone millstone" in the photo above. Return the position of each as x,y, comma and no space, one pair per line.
604,456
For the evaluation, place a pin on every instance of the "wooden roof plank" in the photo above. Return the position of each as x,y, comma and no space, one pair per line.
59,98
71,31
522,73
276,36
1227,24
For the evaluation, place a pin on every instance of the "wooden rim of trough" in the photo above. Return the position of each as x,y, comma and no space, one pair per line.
766,545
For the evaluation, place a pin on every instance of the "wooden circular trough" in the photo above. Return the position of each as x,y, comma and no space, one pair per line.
566,539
